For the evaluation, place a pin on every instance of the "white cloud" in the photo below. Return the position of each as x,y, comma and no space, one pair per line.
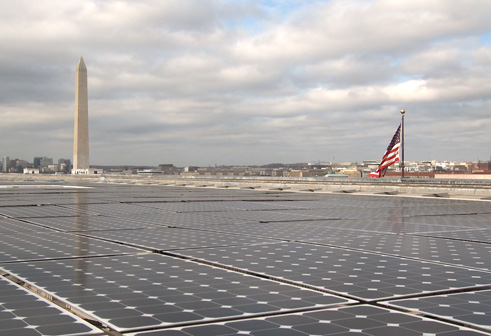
246,82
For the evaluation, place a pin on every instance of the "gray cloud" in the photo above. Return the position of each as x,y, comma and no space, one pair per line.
249,82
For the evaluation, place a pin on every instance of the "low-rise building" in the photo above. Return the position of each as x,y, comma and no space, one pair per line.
31,171
166,169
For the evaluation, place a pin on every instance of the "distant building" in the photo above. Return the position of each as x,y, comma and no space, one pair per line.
21,163
148,172
166,169
37,162
483,166
351,172
45,162
280,172
90,171
42,162
266,172
300,173
52,168
191,169
31,171
5,164
64,166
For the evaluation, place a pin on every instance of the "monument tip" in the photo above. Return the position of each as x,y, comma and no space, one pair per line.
81,64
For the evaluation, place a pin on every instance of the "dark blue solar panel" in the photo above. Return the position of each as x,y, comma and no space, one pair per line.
168,260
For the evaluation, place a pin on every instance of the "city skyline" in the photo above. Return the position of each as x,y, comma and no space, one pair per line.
248,82
32,163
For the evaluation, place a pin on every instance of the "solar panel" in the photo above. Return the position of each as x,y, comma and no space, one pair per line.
296,231
463,253
113,209
472,307
90,223
476,235
360,275
24,313
463,221
197,206
37,211
159,260
268,216
165,239
185,219
54,245
130,292
10,226
360,320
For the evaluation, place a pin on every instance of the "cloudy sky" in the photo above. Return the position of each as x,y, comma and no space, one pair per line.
197,82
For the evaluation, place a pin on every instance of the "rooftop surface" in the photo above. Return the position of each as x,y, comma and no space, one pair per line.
120,259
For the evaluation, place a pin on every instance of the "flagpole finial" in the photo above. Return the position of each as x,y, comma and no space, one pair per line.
403,111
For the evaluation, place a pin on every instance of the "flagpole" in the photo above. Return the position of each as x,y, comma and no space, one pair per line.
402,141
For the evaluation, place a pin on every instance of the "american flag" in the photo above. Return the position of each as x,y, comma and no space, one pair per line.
391,155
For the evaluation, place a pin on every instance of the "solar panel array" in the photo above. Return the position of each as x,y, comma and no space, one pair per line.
24,313
166,260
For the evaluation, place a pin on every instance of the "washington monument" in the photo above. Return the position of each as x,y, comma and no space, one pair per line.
81,130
